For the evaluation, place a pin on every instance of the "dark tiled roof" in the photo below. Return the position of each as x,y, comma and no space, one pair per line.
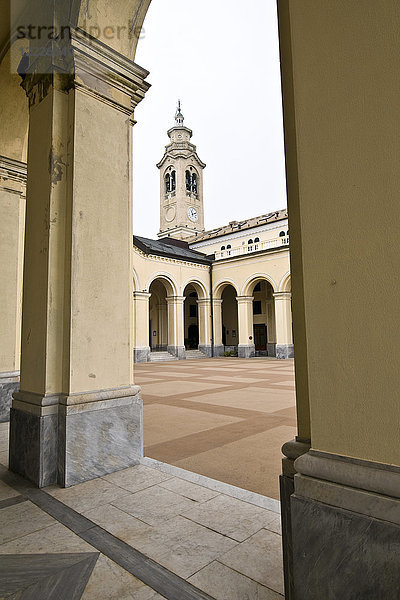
171,249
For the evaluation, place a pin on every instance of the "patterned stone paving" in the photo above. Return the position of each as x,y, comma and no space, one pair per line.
145,534
224,418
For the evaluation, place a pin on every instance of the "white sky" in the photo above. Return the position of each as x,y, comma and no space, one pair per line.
223,63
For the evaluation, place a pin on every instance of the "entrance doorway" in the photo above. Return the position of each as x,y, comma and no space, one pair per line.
260,337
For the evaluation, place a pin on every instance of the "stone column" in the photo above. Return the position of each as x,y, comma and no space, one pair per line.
141,351
204,311
283,325
218,345
246,347
176,326
12,225
162,326
78,414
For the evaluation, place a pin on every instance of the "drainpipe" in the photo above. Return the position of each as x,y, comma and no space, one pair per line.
212,311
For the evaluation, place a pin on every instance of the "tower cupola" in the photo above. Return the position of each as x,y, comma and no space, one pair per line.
181,184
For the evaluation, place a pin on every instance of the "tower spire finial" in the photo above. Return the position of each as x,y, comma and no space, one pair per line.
178,115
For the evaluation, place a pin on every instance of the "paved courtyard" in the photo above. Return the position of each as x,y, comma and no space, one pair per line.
224,418
157,531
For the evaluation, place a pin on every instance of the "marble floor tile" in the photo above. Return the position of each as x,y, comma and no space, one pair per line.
136,478
21,519
55,538
84,496
189,490
112,582
234,518
222,583
6,492
154,505
260,558
182,546
117,522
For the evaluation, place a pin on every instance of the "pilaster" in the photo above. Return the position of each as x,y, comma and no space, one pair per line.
141,351
77,330
12,225
246,347
283,325
176,327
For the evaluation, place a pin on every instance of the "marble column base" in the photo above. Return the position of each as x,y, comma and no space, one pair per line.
346,528
178,351
271,348
292,450
141,355
206,349
284,351
246,351
33,445
219,349
96,438
9,383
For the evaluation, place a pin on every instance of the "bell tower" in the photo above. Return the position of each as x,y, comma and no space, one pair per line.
181,184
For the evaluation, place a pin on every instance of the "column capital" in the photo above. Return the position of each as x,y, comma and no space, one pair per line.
217,301
244,299
76,60
204,301
175,299
282,295
141,295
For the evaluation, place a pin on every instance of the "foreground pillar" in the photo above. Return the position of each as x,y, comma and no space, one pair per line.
342,146
217,310
141,351
12,222
176,326
204,310
246,347
78,414
283,325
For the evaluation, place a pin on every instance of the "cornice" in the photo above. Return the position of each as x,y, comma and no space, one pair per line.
165,259
174,154
245,232
15,170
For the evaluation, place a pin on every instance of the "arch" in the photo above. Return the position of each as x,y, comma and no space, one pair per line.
221,285
247,287
198,286
136,283
169,282
285,283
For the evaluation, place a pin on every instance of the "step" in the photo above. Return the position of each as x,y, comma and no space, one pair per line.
161,356
191,354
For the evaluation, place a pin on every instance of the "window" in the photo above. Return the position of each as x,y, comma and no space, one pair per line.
282,234
192,310
287,233
257,287
222,248
256,240
173,181
250,242
194,183
257,310
228,247
167,183
188,181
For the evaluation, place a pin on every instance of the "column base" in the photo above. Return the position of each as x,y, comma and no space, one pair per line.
206,349
271,349
346,531
99,437
219,350
33,442
9,383
141,355
284,351
246,350
178,351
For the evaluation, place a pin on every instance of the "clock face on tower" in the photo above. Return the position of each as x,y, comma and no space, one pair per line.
192,214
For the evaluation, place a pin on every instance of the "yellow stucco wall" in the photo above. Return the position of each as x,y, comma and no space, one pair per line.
341,119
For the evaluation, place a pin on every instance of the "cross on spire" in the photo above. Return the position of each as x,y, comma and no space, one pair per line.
178,115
